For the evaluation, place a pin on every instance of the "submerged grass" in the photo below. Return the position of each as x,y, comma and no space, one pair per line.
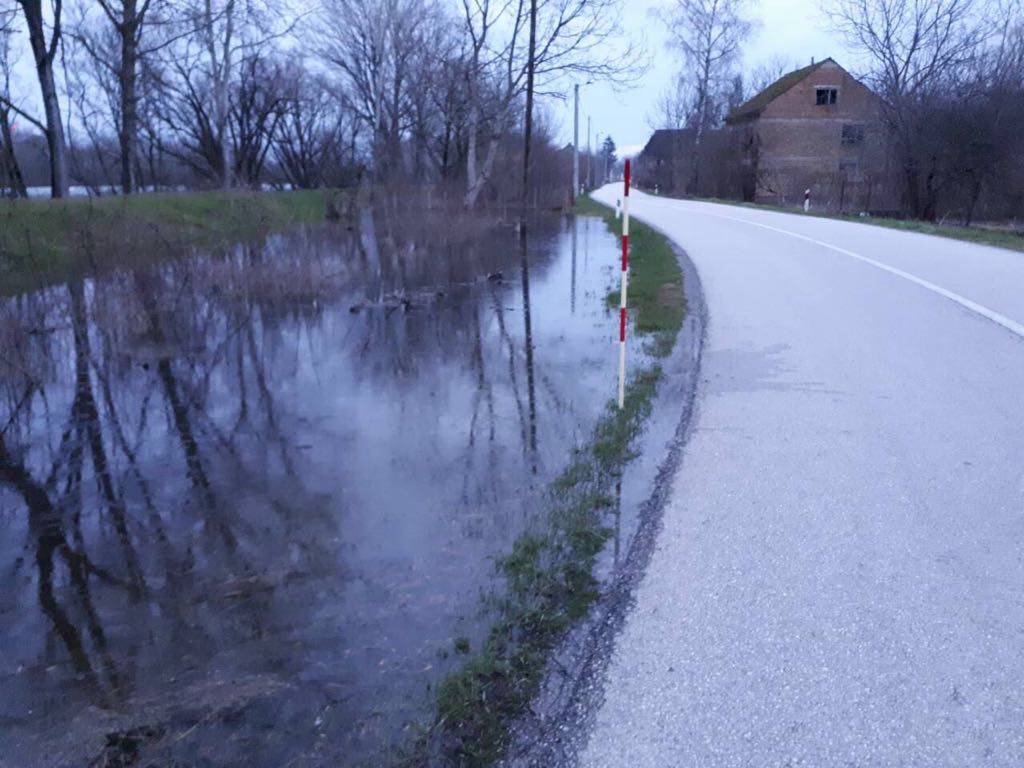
548,575
41,240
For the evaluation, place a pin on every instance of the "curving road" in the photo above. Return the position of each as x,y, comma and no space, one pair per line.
840,576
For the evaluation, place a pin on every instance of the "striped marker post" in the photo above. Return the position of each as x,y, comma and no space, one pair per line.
622,293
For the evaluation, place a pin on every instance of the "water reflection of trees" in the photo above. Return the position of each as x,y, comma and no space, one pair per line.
140,416
114,358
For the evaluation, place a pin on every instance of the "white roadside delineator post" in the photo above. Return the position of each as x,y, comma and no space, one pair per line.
622,293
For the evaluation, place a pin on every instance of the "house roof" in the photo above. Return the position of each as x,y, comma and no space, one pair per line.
663,141
752,107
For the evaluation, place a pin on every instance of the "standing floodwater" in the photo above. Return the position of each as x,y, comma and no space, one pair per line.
249,501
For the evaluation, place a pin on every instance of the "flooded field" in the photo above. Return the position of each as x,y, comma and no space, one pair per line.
250,501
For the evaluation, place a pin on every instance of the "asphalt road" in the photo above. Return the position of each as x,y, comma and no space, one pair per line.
840,576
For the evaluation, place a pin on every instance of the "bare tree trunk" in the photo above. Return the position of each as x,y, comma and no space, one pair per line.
973,205
8,160
129,97
913,193
474,127
528,132
703,94
473,193
221,65
929,213
44,54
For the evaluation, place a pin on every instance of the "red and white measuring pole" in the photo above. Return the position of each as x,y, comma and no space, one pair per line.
622,293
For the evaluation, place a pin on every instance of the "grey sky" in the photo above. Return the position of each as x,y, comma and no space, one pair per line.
795,30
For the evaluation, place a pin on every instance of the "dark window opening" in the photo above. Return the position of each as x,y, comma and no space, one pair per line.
826,96
853,134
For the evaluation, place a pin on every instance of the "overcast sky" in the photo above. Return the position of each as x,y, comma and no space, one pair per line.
792,29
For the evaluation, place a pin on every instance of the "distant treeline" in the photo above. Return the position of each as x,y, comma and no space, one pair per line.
138,94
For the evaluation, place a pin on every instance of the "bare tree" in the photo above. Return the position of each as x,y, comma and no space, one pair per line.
675,107
572,39
437,103
451,107
257,104
219,31
374,46
186,114
200,75
119,48
45,44
531,73
709,35
10,170
764,74
225,34
912,45
310,138
90,98
981,138
916,51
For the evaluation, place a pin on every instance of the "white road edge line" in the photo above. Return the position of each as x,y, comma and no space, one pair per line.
1010,325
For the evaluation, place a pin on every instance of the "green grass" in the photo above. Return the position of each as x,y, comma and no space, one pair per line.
1014,241
42,241
548,575
655,295
981,235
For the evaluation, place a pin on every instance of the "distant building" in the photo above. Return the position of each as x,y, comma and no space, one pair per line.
817,128
672,163
658,165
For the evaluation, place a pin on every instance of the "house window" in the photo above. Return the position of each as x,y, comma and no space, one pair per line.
853,134
826,96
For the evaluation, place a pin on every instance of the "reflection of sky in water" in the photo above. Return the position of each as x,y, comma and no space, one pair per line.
269,505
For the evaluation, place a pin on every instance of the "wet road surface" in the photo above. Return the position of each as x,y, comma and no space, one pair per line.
840,576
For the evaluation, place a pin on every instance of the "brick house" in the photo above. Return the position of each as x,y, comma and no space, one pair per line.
817,128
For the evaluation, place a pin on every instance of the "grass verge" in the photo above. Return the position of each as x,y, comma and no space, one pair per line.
980,235
548,575
45,240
